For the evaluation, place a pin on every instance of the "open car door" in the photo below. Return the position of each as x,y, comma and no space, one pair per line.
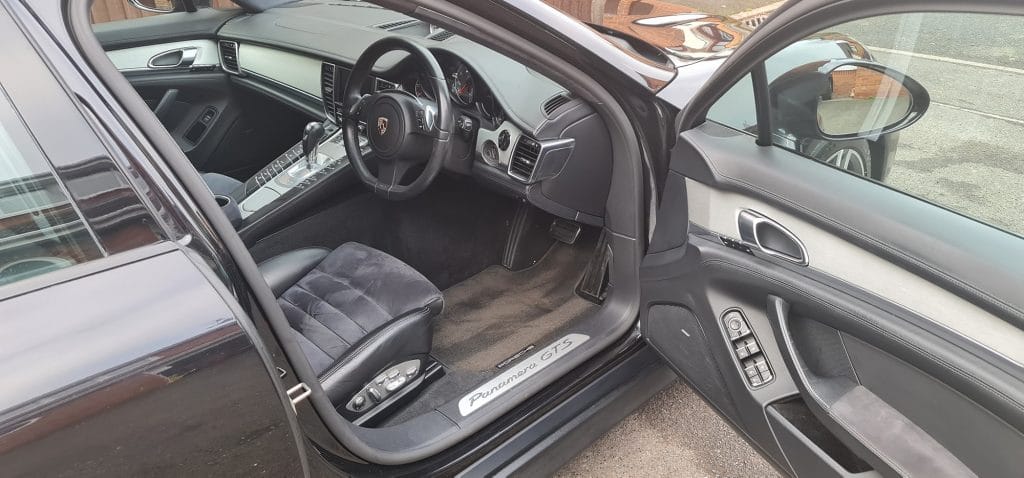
856,312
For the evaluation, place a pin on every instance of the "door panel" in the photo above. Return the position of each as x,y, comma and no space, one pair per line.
876,363
173,61
200,111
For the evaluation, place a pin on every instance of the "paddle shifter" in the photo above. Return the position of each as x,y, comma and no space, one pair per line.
311,137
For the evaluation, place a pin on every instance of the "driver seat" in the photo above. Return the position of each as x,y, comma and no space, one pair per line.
355,311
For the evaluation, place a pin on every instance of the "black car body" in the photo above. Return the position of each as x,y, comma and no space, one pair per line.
143,319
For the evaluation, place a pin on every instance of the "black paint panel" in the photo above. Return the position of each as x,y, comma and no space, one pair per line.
158,381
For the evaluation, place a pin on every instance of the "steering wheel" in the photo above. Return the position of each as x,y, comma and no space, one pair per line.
404,130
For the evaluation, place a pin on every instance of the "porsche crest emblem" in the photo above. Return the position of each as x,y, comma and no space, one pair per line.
382,125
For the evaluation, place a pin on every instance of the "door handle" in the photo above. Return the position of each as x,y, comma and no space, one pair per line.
759,232
180,58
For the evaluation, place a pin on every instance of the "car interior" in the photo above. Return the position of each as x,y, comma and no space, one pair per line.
452,237
429,213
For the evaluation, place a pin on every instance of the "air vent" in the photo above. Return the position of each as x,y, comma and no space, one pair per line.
524,159
396,24
441,35
229,56
327,80
552,105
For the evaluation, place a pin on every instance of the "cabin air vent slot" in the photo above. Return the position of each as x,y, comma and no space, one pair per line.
441,35
229,56
327,80
396,24
524,159
557,101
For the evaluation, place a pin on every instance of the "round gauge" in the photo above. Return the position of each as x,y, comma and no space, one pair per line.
490,153
422,90
462,85
489,107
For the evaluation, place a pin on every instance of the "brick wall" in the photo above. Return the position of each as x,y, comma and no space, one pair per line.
862,83
113,10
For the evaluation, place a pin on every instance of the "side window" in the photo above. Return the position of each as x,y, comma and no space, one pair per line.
104,11
41,229
926,103
64,199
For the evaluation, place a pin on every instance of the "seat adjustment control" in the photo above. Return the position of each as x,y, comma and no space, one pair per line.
748,351
385,384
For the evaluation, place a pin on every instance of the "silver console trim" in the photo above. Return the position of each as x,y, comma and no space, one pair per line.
504,157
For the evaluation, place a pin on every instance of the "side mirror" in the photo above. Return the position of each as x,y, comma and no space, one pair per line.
155,6
865,99
845,99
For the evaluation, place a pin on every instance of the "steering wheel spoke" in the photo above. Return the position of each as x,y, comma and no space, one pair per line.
357,109
426,117
391,173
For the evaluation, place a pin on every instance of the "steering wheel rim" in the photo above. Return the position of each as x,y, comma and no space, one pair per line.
399,125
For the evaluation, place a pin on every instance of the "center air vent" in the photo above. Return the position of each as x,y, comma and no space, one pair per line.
558,101
327,80
229,56
524,159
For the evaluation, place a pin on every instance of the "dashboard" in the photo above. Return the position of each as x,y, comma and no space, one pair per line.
518,132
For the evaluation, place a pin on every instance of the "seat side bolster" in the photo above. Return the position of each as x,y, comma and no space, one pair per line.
406,337
283,271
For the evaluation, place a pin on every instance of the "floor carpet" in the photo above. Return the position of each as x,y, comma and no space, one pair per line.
496,313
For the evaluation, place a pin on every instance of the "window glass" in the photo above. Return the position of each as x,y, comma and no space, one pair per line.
104,11
41,229
931,104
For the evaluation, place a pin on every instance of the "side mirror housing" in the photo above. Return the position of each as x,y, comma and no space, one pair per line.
866,99
847,99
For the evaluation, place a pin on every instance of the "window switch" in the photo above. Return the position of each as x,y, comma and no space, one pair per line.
748,351
742,352
752,347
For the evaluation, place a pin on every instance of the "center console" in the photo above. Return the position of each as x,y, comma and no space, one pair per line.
285,186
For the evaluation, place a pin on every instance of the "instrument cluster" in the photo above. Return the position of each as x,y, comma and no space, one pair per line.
466,89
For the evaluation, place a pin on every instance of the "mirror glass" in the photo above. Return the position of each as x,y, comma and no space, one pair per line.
862,100
158,6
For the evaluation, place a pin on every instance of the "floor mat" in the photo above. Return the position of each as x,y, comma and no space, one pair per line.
497,313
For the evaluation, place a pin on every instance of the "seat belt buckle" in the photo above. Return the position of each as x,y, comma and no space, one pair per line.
297,394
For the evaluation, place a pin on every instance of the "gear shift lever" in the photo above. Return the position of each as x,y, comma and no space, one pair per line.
311,137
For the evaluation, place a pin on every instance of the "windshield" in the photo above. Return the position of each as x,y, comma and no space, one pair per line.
682,34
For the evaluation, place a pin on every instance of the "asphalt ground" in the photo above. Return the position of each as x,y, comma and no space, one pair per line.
965,154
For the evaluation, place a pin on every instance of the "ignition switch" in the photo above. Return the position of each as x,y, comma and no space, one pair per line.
466,126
